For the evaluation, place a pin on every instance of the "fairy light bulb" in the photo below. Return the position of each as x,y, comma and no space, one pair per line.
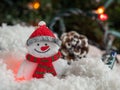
100,10
36,5
103,17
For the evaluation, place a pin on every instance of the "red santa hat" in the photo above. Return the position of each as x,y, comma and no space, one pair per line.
42,33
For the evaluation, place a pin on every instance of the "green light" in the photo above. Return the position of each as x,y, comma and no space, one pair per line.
108,3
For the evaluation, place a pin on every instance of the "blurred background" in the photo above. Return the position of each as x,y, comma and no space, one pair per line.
99,20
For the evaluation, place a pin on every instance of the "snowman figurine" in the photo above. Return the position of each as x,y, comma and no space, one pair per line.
43,55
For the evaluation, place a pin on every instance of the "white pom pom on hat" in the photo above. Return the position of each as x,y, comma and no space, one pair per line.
41,23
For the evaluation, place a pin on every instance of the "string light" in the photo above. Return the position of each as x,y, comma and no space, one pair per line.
30,5
103,17
36,5
100,10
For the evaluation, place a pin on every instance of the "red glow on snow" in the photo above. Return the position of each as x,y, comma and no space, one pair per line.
12,63
20,79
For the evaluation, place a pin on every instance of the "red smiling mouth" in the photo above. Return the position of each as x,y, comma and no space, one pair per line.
43,51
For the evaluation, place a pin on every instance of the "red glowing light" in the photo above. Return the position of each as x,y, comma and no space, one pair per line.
103,17
20,79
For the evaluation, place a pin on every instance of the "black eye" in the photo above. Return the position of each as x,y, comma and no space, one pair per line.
45,44
38,44
68,44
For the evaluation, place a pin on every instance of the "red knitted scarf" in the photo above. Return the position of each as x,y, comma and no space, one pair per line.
44,64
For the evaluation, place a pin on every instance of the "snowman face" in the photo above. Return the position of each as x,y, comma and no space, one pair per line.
43,49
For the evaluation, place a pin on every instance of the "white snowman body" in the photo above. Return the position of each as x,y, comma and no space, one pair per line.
41,49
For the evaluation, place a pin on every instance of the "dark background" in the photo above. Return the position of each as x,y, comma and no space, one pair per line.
18,12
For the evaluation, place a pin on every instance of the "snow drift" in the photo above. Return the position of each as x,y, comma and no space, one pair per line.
87,74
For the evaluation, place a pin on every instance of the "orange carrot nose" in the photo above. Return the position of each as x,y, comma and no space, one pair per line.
43,48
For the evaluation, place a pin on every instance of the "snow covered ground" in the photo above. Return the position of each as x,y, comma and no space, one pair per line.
87,74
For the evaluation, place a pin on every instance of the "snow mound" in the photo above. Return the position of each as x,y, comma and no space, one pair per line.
87,74
13,38
95,74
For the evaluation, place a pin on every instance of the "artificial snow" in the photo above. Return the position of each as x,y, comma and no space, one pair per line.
86,74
